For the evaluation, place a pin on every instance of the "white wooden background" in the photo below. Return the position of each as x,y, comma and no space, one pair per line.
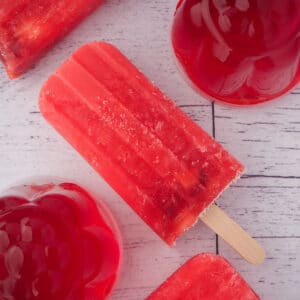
265,138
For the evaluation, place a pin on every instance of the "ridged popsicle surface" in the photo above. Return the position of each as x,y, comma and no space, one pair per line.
29,27
161,163
205,277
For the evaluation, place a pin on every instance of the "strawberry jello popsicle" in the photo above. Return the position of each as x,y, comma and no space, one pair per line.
162,164
205,277
28,27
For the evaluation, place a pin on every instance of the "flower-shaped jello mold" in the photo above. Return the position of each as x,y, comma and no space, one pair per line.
240,51
55,244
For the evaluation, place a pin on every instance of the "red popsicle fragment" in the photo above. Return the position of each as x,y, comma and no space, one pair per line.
54,244
240,52
205,277
163,165
28,27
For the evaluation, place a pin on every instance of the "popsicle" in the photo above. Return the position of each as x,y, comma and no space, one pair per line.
205,277
28,27
162,164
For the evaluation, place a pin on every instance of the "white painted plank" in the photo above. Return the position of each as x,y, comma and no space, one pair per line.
278,277
265,206
147,265
266,138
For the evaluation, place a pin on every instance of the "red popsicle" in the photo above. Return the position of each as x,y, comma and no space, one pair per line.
163,165
55,243
28,27
205,277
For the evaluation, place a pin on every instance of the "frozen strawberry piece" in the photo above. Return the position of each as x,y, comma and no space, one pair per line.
54,244
163,165
240,52
29,27
205,277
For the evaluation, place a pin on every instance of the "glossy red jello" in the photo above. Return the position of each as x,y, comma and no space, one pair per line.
55,244
239,51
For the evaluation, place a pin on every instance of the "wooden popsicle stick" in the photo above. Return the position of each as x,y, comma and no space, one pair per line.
232,233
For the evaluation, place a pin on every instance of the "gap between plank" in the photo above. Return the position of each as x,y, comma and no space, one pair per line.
214,135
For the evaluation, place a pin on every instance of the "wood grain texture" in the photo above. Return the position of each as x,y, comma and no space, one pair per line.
233,234
270,206
265,137
278,278
266,201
